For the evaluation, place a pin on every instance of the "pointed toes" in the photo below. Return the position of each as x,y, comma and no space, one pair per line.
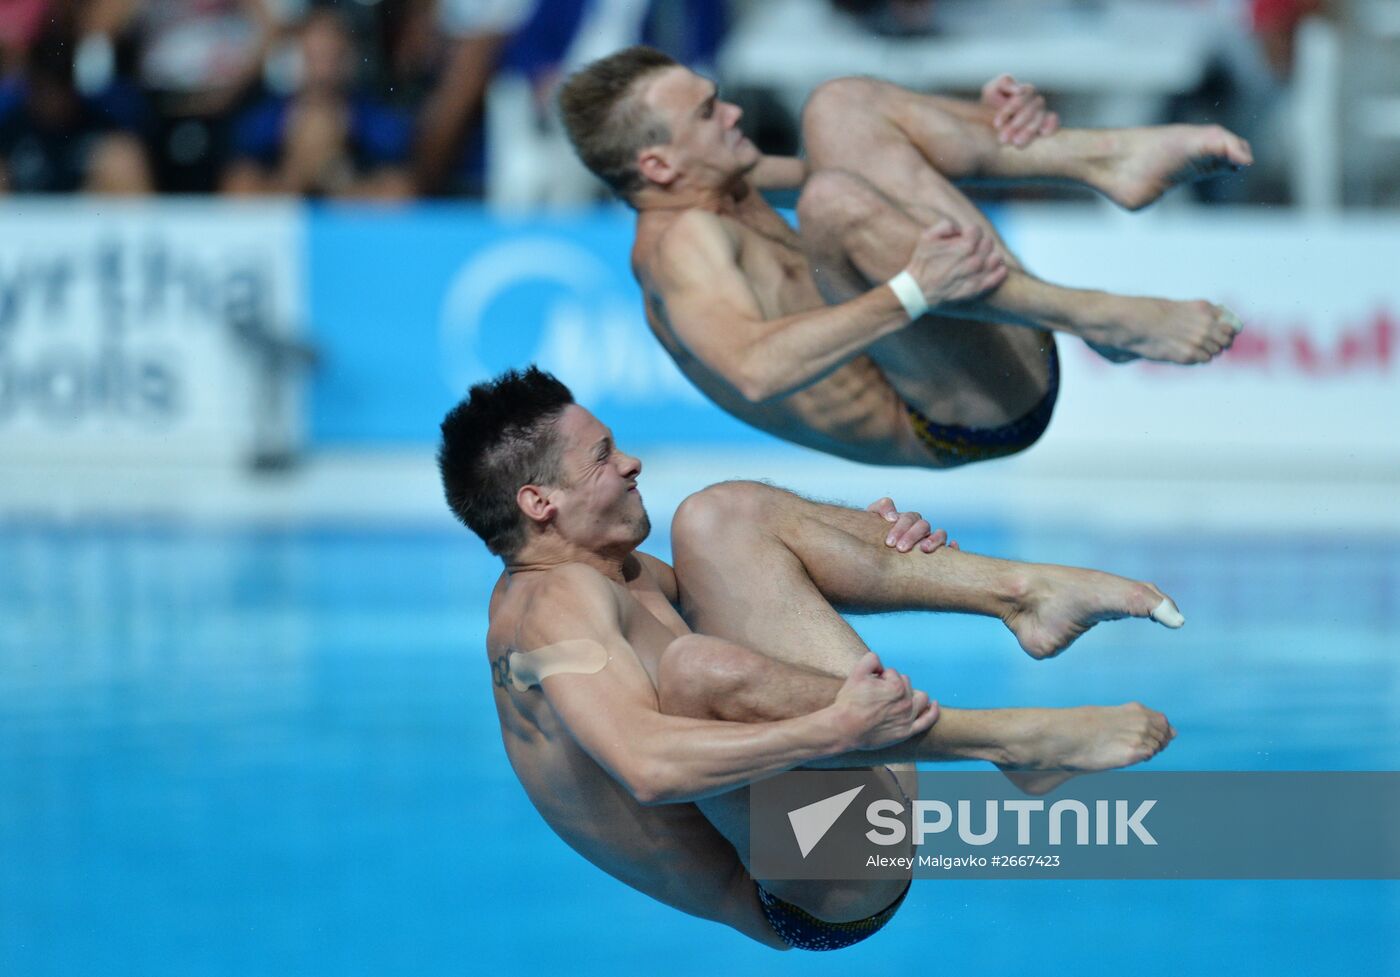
1167,614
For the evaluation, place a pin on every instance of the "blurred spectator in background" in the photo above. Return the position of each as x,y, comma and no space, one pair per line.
1276,25
328,138
463,89
497,84
896,18
408,45
56,139
448,155
199,60
20,23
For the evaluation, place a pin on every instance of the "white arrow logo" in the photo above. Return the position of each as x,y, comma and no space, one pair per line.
811,823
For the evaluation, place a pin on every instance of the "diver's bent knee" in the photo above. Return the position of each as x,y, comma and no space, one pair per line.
696,670
713,512
677,692
695,656
832,102
835,198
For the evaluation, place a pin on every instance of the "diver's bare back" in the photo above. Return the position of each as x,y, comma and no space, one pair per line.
852,411
669,851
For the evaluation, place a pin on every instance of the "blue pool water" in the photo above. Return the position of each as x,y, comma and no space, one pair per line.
267,753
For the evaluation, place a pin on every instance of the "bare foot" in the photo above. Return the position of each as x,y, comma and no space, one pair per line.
1160,329
1055,744
1139,165
1057,604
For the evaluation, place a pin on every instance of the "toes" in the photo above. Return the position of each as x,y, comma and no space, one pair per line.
1209,330
1142,598
1159,730
1228,326
1228,318
1166,613
1152,743
1146,751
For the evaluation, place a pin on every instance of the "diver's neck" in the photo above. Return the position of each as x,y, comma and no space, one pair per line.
546,555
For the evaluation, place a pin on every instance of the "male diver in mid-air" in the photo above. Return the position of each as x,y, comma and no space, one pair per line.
638,700
894,327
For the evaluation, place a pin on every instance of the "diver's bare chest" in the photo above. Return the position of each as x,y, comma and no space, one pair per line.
765,240
650,623
651,615
776,269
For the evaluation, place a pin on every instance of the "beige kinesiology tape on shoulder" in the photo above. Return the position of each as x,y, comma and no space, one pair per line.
577,656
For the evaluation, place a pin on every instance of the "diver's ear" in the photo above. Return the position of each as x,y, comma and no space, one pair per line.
534,501
656,166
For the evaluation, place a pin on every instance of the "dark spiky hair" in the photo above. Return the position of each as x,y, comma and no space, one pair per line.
500,437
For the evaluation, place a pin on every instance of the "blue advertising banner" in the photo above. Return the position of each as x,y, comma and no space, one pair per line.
412,307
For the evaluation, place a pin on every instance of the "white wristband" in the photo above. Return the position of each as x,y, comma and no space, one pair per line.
910,295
